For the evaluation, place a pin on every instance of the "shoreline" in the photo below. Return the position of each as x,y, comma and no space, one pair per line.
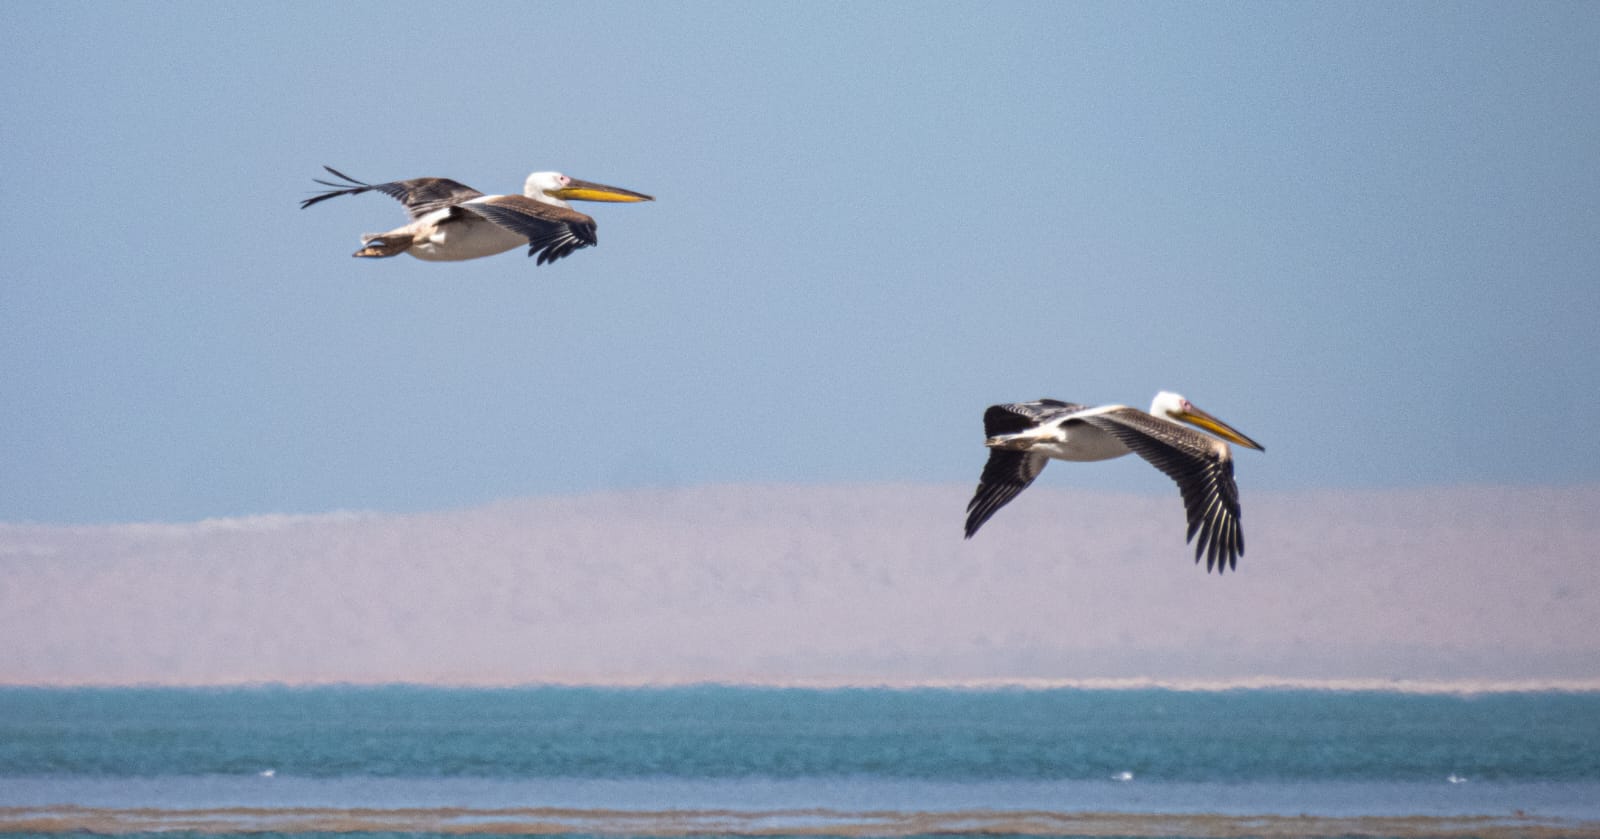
796,822
1432,687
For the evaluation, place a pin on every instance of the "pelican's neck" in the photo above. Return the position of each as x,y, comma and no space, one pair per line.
545,198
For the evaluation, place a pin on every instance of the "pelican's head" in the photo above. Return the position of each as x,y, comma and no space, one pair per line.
556,188
1174,407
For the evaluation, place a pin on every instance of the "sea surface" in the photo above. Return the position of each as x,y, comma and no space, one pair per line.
715,760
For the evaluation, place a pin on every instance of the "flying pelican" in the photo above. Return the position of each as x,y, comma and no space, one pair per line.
453,221
1024,436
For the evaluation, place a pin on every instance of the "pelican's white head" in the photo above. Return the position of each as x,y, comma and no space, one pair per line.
556,188
542,186
1169,405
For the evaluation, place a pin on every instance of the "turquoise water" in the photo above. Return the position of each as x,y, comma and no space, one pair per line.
776,758
720,732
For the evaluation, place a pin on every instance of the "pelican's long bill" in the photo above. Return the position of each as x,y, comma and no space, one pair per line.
1196,417
588,191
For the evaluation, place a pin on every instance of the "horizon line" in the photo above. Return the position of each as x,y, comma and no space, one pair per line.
1431,687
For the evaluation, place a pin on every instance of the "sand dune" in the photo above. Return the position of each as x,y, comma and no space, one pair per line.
821,585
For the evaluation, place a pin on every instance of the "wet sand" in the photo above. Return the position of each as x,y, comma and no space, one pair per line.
807,822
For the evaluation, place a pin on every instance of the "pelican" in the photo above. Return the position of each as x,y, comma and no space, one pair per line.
452,221
1024,436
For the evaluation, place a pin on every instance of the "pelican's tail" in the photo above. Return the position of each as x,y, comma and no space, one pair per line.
1019,441
380,245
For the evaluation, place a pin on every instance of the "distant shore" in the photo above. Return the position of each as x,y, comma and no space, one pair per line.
1432,590
1351,685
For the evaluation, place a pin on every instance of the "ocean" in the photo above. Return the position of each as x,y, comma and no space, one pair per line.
719,760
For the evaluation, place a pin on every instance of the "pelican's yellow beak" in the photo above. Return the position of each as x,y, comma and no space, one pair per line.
1201,419
586,191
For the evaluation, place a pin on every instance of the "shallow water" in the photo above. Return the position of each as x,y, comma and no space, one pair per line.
725,760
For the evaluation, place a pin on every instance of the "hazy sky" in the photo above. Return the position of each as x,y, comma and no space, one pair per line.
1366,234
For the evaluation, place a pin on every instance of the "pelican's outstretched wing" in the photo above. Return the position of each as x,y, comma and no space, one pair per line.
420,196
553,232
1202,467
1012,417
1010,472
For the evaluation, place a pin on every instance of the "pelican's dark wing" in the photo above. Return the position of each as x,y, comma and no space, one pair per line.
1005,476
420,196
1202,467
1013,417
1009,472
553,232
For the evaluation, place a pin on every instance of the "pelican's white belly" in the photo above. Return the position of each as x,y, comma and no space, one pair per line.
464,238
1081,442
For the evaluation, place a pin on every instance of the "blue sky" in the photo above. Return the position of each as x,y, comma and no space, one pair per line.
1366,234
